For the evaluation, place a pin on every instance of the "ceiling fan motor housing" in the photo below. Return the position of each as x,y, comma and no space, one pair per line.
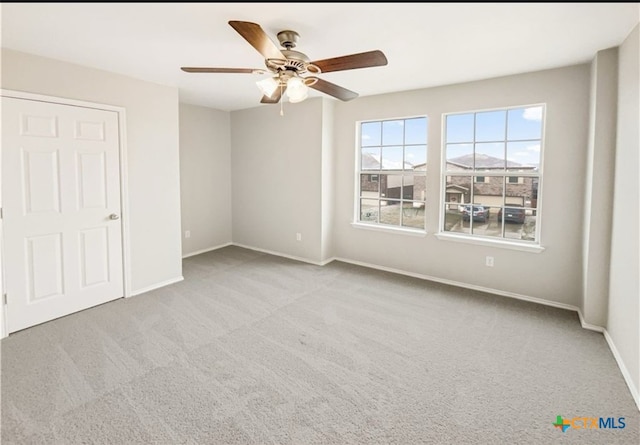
288,39
295,60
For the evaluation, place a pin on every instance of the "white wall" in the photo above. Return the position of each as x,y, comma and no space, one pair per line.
328,179
623,323
556,273
152,152
205,178
599,186
276,168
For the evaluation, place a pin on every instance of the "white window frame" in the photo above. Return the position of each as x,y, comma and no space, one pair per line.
523,245
376,226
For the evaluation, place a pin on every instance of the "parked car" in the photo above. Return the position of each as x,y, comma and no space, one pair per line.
513,213
480,213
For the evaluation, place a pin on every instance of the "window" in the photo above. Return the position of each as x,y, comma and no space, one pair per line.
394,152
492,174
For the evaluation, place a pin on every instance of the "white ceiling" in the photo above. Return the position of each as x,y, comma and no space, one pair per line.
426,44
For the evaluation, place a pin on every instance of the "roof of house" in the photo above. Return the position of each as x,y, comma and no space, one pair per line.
371,162
482,161
485,161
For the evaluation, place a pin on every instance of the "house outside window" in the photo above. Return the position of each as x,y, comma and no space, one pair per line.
392,161
492,174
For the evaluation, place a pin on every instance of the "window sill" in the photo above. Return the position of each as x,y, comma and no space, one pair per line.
389,229
504,244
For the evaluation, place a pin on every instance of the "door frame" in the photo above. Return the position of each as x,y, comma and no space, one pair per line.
124,191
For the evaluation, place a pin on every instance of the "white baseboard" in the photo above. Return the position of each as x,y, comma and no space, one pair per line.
464,285
3,323
198,252
156,286
623,369
284,255
589,326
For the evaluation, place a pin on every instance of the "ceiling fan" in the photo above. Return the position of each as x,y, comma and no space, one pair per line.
288,65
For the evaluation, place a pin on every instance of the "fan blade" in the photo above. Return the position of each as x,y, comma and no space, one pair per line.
277,95
332,89
352,62
255,35
190,69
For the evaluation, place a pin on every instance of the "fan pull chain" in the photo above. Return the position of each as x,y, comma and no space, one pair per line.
281,99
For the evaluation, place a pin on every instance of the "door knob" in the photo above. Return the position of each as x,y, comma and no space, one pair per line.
114,216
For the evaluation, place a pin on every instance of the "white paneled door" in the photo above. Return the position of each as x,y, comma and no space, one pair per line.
61,209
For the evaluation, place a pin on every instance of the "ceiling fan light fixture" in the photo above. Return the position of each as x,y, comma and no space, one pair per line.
268,86
297,91
286,65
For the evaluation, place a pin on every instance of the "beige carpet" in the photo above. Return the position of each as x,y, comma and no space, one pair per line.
257,349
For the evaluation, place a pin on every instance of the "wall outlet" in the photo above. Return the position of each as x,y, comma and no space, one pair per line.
489,261
298,236
187,233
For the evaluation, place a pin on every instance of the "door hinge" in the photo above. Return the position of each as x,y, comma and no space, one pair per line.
1,214
4,299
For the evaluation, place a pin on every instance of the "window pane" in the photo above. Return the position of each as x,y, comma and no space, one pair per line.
415,131
478,220
457,194
514,228
458,189
370,134
391,186
493,227
489,191
369,210
420,169
369,186
453,219
460,128
370,158
512,214
459,156
415,155
520,193
419,188
390,212
392,158
489,156
407,186
525,123
529,226
534,192
523,154
393,132
413,214
490,126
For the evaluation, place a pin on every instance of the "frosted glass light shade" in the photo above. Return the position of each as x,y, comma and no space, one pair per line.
297,91
268,86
